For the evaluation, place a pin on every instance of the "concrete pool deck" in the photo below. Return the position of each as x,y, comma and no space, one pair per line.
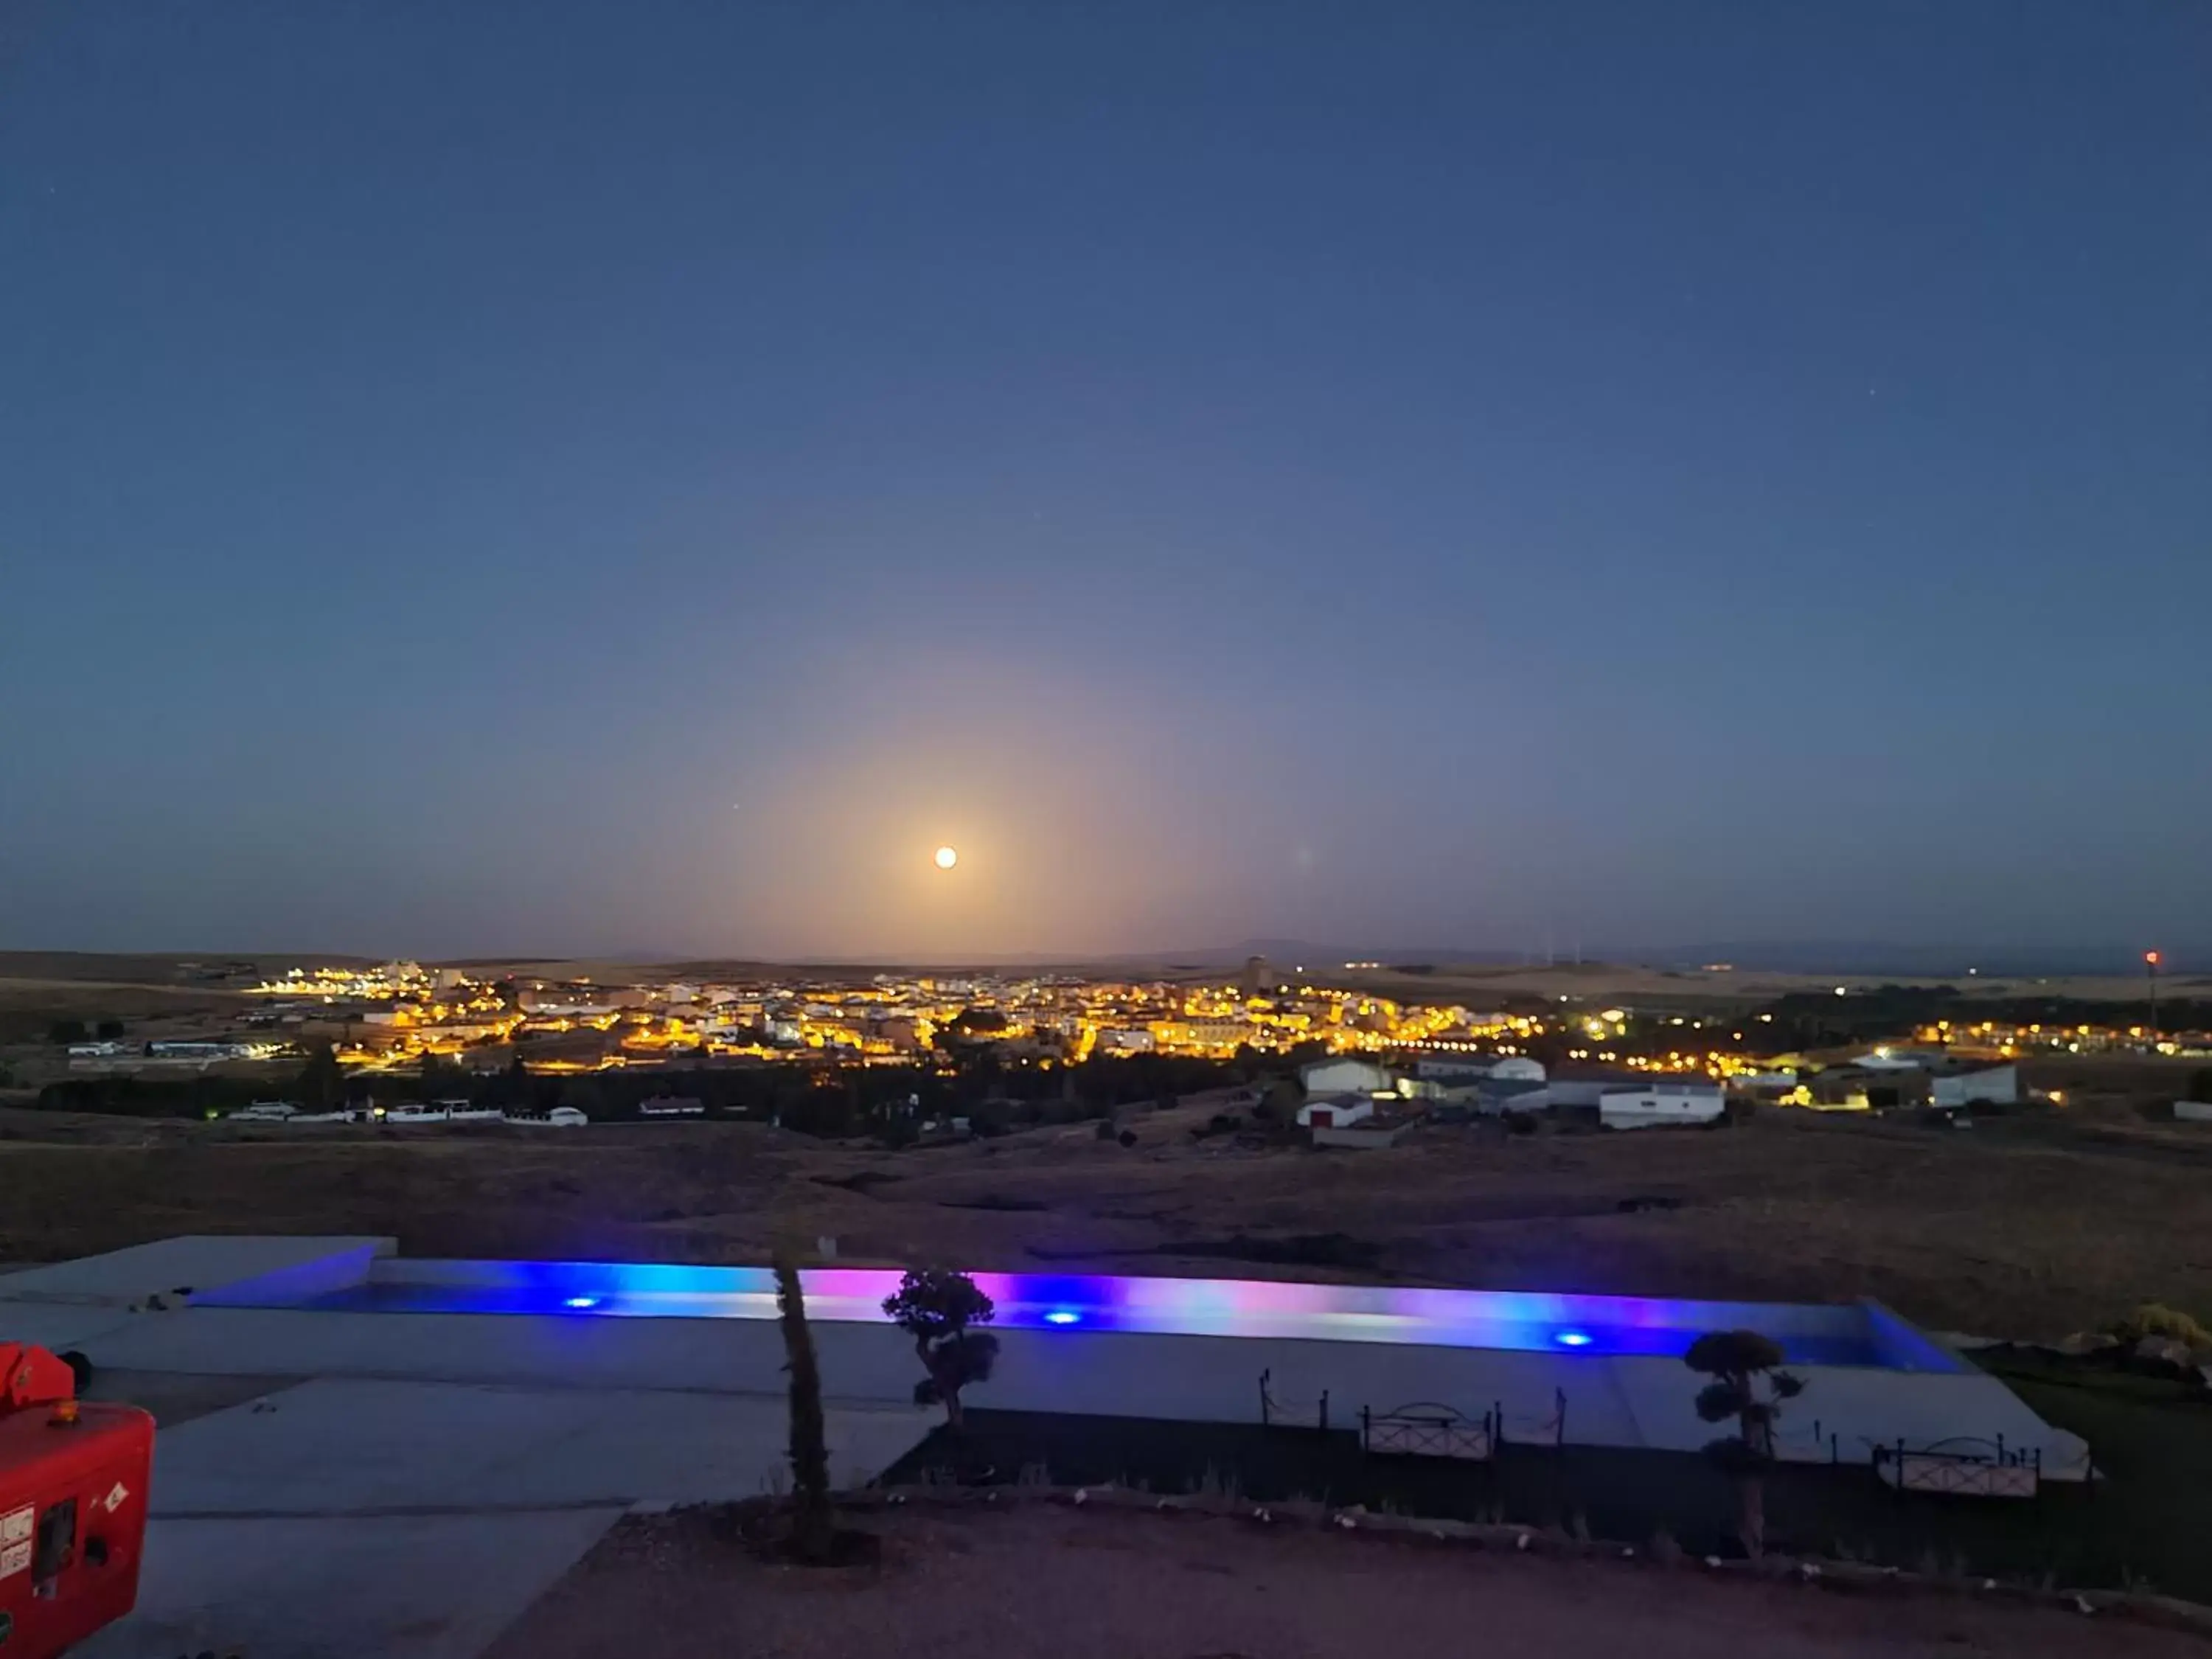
471,1458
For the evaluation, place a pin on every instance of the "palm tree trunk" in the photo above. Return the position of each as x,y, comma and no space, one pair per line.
813,1520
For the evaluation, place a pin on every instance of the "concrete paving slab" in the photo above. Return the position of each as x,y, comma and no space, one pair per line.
175,1400
200,1260
739,1356
1859,1408
59,1326
414,1587
354,1516
349,1446
1142,1374
1611,1400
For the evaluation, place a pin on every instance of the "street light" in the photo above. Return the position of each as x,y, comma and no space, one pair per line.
2150,972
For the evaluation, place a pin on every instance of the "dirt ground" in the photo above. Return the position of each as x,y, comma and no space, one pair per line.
29,1007
1095,1585
2018,1228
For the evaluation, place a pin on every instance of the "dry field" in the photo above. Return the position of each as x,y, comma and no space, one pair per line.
1099,1585
28,1007
2017,1228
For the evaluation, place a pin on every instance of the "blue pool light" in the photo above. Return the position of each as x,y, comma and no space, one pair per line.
1062,1316
581,1302
1571,1339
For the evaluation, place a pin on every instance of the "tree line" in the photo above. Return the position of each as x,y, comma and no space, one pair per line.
825,1099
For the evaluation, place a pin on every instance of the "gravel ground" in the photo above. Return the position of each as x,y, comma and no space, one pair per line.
1116,1585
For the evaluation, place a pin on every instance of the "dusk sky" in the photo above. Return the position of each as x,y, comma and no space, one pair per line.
562,479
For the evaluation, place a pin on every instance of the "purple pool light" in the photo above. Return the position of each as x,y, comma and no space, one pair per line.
580,1303
1063,1316
1572,1339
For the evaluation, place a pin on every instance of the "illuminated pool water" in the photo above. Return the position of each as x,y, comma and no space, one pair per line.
1531,1322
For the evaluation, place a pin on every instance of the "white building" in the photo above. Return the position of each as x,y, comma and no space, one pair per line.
1887,1059
1661,1101
266,1111
204,1051
1998,1084
1516,1083
1335,1112
1586,1085
1343,1076
1444,1068
1782,1077
561,1117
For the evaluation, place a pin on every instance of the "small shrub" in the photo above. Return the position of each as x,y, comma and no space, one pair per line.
936,1307
1213,1483
1128,1137
2155,1319
1740,1362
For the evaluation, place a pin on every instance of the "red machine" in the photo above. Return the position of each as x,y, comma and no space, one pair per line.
73,1481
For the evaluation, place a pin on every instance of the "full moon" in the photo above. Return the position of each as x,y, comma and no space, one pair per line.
947,857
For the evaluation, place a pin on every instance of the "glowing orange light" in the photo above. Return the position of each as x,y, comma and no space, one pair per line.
2151,956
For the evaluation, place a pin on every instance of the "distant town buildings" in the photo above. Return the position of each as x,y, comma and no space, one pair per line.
1330,1076
1661,1101
1443,1057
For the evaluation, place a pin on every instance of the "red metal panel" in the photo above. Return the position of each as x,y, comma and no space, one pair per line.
32,1376
72,1523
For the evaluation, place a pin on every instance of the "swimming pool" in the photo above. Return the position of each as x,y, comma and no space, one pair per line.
1860,1334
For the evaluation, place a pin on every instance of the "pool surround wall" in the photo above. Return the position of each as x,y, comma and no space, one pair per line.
1922,1394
